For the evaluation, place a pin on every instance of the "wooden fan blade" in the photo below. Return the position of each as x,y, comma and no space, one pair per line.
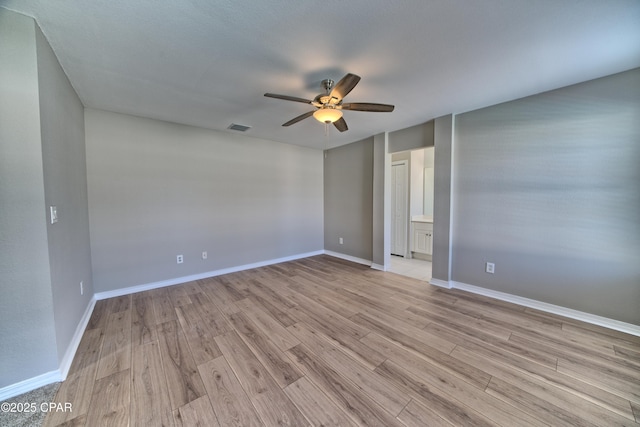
300,117
344,86
340,124
287,98
368,106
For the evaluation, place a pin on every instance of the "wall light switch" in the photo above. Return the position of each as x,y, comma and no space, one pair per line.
53,211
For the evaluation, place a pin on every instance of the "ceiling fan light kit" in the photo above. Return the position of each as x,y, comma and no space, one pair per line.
329,104
327,115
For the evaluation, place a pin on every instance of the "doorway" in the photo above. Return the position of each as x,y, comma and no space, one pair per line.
411,194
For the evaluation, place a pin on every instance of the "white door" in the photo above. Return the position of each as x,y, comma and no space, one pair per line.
399,202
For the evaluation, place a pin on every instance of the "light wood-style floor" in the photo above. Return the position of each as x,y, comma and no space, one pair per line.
322,341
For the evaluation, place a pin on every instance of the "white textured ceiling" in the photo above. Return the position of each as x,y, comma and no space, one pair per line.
208,62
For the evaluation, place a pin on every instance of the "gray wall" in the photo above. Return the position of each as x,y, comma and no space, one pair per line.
65,186
27,331
547,188
418,136
348,199
158,189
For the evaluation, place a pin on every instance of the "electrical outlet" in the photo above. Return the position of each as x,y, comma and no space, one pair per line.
53,213
180,259
204,255
341,240
490,267
81,288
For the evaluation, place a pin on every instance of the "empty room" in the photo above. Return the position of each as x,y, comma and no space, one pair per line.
290,213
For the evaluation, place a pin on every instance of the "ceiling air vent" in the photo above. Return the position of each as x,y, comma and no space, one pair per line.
239,128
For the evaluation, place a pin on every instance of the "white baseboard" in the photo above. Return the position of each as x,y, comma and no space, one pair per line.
176,281
65,364
441,283
66,361
348,257
551,308
31,384
378,267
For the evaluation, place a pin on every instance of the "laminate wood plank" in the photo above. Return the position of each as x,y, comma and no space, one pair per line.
115,355
201,342
76,421
78,387
98,317
213,318
383,392
188,315
619,340
325,297
626,353
191,287
636,411
234,284
88,351
422,361
367,305
280,315
390,325
311,311
501,317
150,405
198,413
270,291
418,415
344,341
623,384
272,405
484,300
616,337
143,321
315,405
272,358
570,342
461,336
219,295
118,304
277,333
178,295
611,364
110,401
432,313
451,385
548,375
199,337
179,367
163,306
444,405
539,408
585,409
229,400
419,341
223,287
363,410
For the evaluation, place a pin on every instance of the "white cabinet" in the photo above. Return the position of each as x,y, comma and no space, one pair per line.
422,243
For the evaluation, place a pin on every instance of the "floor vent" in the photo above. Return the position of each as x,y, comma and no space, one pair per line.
239,128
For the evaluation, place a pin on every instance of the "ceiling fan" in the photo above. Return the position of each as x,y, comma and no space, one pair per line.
329,104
